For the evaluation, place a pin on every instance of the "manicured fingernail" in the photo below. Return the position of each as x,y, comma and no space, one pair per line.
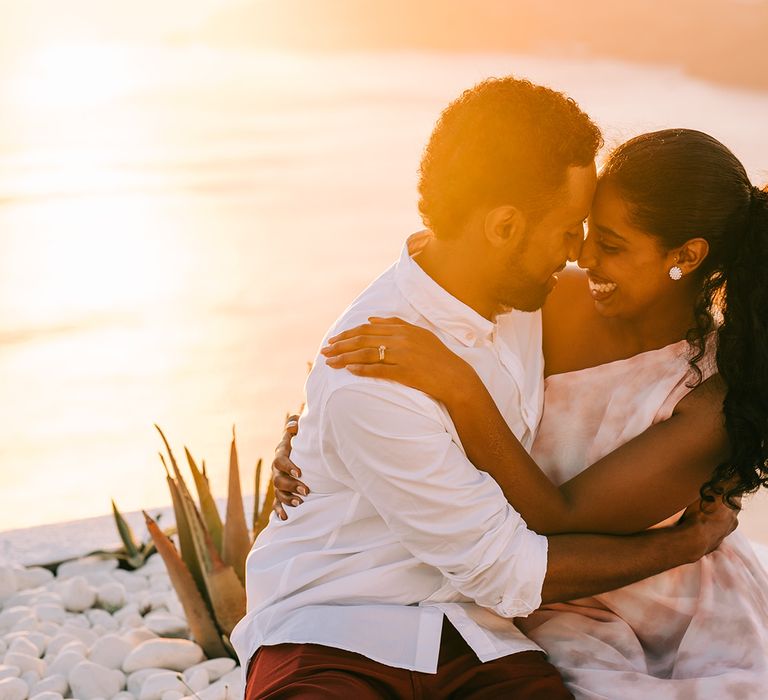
291,424
295,502
325,350
294,474
302,490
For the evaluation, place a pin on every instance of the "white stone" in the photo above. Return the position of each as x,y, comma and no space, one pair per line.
26,624
137,635
125,611
3,647
85,565
33,577
49,629
110,651
24,646
111,596
7,671
132,621
38,640
137,678
132,581
50,612
65,662
215,668
101,618
13,689
166,625
75,645
124,695
172,695
54,683
89,681
87,637
79,620
77,594
8,584
26,662
57,643
159,583
158,683
30,678
11,615
175,654
47,695
198,680
154,564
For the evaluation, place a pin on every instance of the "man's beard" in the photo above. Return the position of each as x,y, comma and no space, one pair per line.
517,292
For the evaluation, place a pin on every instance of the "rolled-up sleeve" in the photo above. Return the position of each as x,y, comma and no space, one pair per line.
394,444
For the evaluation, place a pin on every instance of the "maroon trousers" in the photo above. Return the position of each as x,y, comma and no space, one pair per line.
315,672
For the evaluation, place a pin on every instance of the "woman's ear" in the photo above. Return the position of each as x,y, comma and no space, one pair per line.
691,255
504,225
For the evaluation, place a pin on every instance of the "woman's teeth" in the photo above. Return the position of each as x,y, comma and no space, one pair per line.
601,287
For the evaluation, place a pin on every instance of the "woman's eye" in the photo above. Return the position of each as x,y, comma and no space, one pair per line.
608,248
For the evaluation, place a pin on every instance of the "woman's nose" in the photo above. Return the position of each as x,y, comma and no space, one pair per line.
587,257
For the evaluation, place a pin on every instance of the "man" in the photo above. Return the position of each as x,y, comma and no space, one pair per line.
372,590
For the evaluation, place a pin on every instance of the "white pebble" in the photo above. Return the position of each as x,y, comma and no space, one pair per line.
102,618
57,643
158,683
137,635
86,636
132,581
7,671
49,612
85,565
89,681
13,689
79,620
65,662
137,678
25,662
124,695
49,629
26,624
125,611
38,640
47,695
110,651
11,615
154,564
111,596
33,577
53,683
172,695
214,668
77,594
175,654
166,625
8,584
24,646
75,645
198,680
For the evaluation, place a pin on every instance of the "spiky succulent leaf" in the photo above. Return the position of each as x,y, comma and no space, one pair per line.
201,623
208,508
237,541
266,510
125,532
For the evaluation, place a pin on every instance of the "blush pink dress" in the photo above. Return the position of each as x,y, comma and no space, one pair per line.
697,632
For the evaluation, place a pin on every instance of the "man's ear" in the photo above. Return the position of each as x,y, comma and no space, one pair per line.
504,225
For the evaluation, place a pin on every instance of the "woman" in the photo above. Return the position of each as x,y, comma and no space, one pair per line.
663,332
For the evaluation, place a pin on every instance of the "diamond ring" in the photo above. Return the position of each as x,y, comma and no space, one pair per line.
382,350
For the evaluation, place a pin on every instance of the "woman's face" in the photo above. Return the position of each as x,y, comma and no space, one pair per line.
627,268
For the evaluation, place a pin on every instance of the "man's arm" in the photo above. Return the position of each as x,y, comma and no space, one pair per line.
392,443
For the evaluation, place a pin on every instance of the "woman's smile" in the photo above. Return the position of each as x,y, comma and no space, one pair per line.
600,288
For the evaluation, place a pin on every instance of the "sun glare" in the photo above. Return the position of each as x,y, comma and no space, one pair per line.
72,75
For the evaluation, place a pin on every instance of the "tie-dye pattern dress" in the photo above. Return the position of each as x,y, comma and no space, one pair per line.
697,632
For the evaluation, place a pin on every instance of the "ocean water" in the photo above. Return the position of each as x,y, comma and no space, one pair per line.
179,226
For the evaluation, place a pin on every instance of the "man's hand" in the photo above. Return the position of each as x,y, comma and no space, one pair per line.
710,523
288,489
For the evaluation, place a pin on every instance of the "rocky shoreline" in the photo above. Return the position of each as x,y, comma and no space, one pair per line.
94,631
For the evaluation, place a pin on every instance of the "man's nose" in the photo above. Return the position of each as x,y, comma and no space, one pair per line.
587,254
574,250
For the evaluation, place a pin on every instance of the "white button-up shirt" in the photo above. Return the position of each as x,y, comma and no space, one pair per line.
400,528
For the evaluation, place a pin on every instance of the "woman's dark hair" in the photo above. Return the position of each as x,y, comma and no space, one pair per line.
681,184
503,141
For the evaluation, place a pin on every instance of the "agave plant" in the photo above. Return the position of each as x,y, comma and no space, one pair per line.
208,570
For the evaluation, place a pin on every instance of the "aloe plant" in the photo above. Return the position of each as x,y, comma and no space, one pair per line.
133,553
208,570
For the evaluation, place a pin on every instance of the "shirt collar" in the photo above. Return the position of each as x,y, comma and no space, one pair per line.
434,303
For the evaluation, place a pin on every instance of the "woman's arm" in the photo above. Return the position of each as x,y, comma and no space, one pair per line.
639,484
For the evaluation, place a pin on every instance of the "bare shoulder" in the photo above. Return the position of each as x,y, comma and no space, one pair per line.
705,399
570,323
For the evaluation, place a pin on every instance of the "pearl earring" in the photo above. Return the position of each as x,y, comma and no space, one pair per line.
675,273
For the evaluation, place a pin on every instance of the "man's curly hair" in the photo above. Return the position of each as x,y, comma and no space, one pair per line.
504,141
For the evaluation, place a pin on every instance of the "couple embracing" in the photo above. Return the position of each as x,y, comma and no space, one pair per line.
514,486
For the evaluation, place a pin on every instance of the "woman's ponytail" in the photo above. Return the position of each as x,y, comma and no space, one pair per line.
742,356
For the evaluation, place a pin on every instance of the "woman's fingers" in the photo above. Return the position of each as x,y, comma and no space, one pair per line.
290,485
358,342
282,464
363,356
368,329
277,507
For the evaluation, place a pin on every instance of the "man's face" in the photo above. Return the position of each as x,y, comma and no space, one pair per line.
526,273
